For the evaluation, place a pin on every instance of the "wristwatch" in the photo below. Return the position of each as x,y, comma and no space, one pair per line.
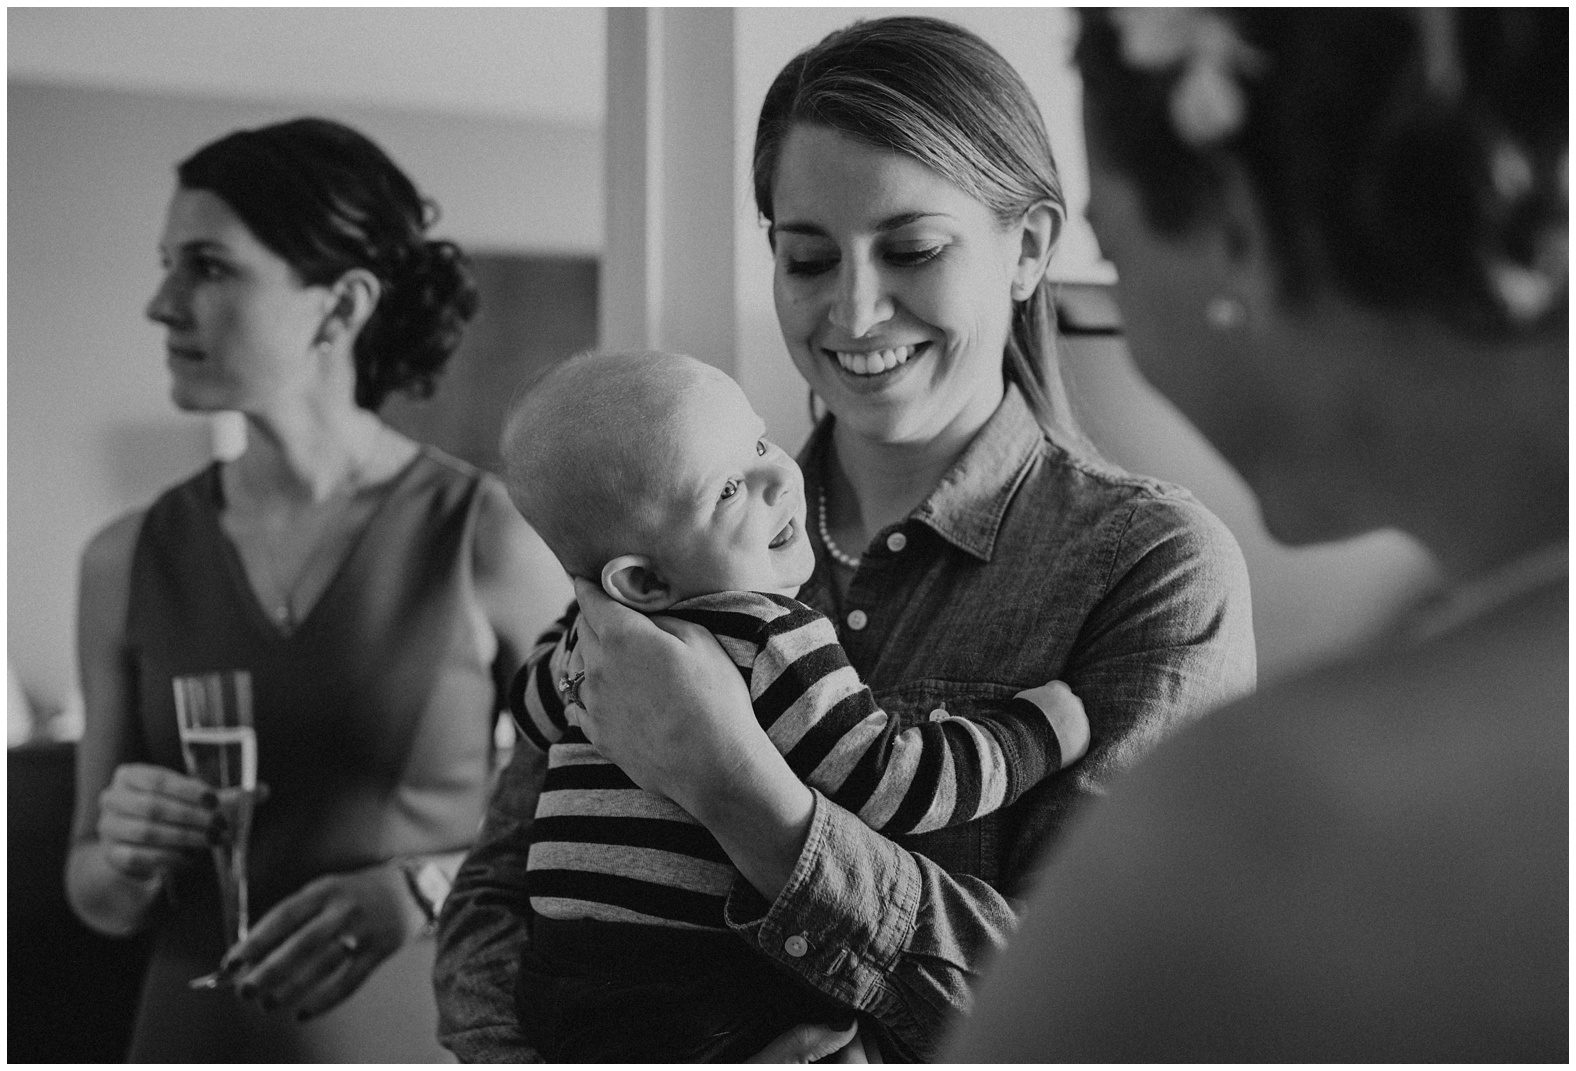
429,887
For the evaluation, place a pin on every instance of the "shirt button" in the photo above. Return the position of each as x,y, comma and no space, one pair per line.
796,946
896,542
857,620
939,714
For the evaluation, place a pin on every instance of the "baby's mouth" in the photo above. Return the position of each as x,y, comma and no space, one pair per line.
784,537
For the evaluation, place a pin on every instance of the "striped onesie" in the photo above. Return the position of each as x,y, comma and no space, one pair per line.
603,848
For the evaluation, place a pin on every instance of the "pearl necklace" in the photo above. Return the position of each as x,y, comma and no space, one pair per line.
847,561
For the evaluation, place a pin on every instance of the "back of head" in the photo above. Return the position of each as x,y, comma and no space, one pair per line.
584,446
1415,160
327,199
935,92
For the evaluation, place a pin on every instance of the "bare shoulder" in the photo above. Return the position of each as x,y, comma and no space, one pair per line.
106,559
517,577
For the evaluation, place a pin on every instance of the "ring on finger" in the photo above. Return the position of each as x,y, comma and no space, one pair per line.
570,686
349,942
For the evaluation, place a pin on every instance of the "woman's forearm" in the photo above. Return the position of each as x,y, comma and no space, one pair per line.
106,899
877,927
761,816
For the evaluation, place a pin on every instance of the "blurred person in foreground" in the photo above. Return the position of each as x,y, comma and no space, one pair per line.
1341,238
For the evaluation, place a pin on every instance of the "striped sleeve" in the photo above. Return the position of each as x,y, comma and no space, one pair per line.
534,701
828,726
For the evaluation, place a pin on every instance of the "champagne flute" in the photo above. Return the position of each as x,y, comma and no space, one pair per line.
214,715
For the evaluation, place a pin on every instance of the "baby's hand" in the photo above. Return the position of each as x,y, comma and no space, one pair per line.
1065,712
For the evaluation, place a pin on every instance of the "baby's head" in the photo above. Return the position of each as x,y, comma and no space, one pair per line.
648,473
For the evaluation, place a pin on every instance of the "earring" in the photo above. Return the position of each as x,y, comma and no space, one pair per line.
1224,313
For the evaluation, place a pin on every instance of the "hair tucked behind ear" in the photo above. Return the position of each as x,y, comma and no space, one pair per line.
326,199
1414,159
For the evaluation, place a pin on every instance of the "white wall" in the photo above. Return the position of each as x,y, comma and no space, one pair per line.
91,431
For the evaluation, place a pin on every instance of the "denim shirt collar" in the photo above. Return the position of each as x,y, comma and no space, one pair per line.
967,506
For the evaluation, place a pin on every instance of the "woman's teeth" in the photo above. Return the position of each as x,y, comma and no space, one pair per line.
870,364
782,537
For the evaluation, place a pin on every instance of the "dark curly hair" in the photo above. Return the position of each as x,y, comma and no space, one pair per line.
939,94
326,199
1415,160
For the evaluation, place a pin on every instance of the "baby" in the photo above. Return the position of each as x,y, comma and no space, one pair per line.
649,474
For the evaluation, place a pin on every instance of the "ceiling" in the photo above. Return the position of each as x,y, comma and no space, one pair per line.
544,64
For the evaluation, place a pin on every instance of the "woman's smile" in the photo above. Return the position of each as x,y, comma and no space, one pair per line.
876,364
893,287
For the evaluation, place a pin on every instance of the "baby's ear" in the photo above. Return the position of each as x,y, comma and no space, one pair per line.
632,580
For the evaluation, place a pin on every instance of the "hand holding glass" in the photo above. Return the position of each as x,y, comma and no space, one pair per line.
214,713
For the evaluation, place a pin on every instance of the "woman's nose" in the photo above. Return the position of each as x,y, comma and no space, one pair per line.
861,303
166,306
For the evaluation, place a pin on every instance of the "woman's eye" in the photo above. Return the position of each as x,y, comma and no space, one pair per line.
204,268
760,447
808,265
730,489
913,258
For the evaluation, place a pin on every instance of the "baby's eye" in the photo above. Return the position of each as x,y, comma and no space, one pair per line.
760,447
730,489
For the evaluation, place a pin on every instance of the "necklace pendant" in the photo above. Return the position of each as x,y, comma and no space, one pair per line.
284,616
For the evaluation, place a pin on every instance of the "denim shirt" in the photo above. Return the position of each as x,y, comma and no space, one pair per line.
1031,561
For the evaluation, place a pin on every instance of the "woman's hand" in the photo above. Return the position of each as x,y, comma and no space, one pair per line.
316,947
152,819
661,699
664,701
808,1043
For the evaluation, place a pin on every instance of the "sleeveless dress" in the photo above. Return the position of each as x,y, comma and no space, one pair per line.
374,724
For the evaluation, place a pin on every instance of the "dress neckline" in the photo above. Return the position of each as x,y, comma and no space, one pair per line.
236,565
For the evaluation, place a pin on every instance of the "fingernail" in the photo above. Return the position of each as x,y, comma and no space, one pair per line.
210,801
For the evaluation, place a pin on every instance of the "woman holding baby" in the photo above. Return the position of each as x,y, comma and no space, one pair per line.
969,544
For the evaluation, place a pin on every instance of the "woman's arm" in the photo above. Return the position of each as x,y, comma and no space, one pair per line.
133,821
485,925
520,587
880,927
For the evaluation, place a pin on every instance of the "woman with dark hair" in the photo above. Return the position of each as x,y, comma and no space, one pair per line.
376,590
1342,240
969,544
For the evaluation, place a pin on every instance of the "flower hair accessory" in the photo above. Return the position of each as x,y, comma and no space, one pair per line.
1207,102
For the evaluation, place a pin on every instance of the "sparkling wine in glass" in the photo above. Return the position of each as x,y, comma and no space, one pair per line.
214,713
